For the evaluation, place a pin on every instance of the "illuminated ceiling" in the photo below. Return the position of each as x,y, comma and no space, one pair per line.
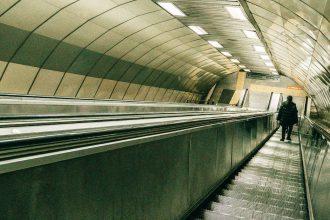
136,50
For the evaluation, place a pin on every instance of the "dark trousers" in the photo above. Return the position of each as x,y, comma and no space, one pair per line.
286,128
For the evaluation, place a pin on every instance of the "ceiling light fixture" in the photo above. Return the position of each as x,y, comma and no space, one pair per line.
247,70
265,57
198,30
215,44
269,64
234,60
172,9
242,66
236,12
260,49
227,54
250,34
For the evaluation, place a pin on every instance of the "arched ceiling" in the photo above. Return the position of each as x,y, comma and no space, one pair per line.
119,49
294,33
297,33
135,50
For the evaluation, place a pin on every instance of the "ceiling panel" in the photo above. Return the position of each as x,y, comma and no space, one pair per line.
300,44
212,15
137,41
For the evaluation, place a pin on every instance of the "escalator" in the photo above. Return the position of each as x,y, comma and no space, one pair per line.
270,186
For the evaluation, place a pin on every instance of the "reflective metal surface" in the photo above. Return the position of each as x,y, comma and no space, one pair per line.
17,106
270,186
317,158
213,16
297,33
160,176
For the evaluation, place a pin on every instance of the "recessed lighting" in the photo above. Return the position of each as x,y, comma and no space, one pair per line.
260,49
273,69
227,54
234,60
198,30
215,44
250,34
172,9
242,66
269,64
265,57
236,12
247,70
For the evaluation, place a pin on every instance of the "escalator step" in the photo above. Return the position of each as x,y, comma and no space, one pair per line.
269,187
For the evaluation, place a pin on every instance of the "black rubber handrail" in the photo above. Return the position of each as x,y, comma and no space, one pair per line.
49,143
320,128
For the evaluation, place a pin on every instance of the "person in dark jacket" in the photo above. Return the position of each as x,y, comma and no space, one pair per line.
287,116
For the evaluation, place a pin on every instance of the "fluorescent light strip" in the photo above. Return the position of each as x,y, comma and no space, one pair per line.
172,9
198,30
250,34
265,57
260,49
227,54
215,44
234,60
242,66
269,64
247,70
236,13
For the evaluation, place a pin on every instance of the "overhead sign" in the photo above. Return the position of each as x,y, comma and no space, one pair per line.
295,87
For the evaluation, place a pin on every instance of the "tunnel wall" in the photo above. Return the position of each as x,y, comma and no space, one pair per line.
156,180
104,49
297,34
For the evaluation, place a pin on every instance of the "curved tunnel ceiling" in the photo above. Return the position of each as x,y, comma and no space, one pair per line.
118,49
135,50
297,34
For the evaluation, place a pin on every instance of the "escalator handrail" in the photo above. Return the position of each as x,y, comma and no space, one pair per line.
320,128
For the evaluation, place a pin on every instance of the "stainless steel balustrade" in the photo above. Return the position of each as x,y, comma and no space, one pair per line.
33,106
269,187
315,144
151,176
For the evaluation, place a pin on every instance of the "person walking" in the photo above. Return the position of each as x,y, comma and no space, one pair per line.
287,116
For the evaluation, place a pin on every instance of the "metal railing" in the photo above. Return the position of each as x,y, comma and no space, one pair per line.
314,141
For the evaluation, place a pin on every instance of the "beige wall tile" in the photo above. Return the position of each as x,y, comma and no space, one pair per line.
105,89
89,87
160,94
46,82
17,78
2,67
173,96
132,91
167,95
28,14
119,90
142,93
60,25
151,94
70,85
